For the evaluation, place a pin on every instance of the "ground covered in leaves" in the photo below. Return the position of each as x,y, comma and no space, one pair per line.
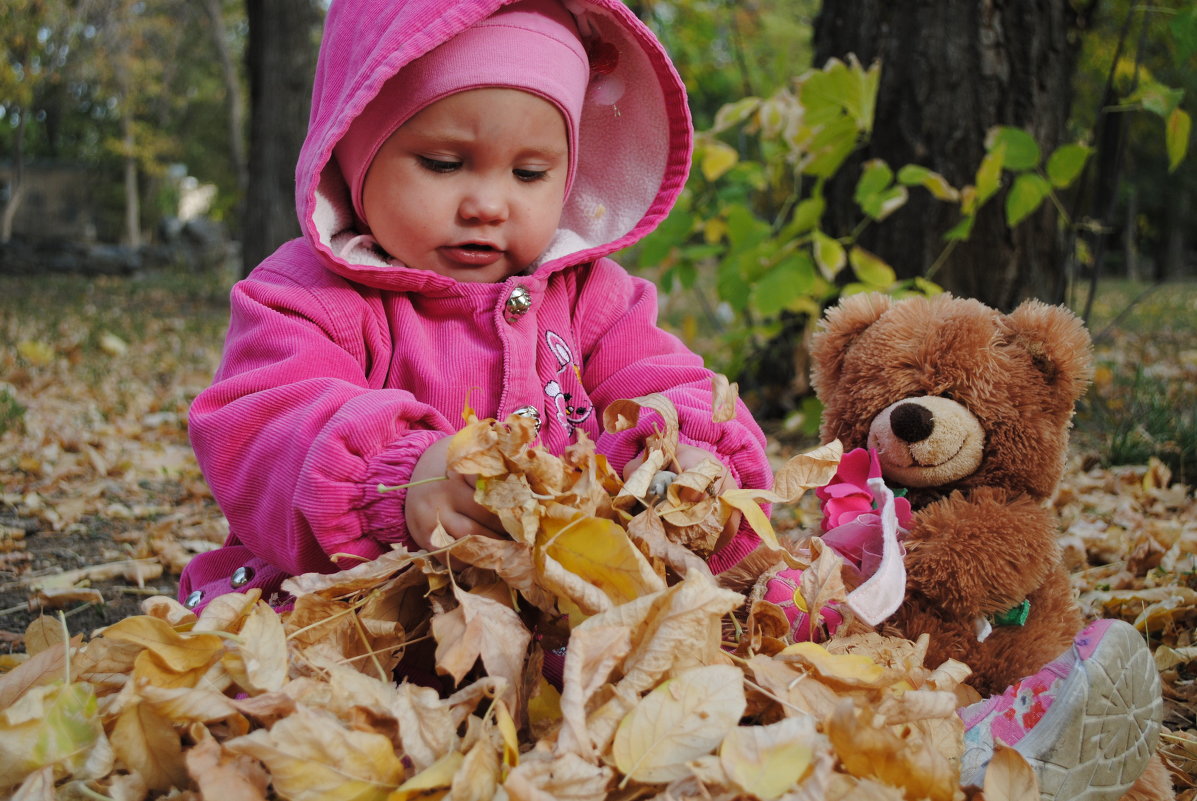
103,505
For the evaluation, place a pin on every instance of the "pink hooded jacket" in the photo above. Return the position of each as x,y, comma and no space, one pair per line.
341,368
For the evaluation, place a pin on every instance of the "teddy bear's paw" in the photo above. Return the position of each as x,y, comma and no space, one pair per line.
1088,723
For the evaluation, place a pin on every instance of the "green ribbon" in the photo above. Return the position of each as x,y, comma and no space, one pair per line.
1014,616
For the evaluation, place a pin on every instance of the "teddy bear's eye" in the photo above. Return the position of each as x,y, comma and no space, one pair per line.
947,396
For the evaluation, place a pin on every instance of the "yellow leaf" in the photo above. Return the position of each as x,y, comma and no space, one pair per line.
174,651
264,650
745,500
1009,777
311,756
682,719
717,158
854,670
599,551
511,740
147,742
38,354
767,761
53,726
437,776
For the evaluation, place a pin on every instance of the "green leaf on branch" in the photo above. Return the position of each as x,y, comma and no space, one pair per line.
1066,163
829,254
735,113
846,88
1179,125
961,230
1021,150
829,146
875,176
875,192
870,269
933,182
744,229
1157,98
787,283
671,233
807,215
1025,196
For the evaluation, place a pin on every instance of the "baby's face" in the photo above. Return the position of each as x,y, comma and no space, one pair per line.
472,186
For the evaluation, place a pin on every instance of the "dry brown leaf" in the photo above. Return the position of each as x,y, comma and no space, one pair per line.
312,756
768,761
593,653
1010,777
47,666
680,720
723,400
568,777
147,742
226,776
45,632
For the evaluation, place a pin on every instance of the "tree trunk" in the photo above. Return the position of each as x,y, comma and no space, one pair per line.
281,58
950,71
16,187
232,88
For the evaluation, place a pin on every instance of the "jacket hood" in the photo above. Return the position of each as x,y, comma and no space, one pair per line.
634,141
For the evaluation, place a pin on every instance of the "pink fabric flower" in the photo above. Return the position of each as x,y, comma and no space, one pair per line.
848,496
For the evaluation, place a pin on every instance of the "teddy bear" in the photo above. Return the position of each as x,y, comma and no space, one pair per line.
968,410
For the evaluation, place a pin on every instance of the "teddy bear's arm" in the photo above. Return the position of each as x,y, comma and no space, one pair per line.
981,554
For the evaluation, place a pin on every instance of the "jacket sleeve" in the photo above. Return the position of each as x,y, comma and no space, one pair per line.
627,355
296,432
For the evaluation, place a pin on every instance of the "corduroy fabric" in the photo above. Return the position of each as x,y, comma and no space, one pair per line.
338,372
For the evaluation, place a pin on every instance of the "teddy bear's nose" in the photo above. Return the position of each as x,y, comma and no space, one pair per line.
913,422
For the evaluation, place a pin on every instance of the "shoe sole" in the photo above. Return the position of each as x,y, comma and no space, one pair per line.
1108,724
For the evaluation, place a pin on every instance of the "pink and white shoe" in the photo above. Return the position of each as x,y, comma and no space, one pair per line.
1088,722
782,590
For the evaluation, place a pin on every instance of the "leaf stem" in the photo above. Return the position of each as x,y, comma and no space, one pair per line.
383,488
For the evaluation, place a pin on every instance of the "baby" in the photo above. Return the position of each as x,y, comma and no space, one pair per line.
467,170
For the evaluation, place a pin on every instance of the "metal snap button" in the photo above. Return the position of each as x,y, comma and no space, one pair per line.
242,576
530,412
517,305
193,600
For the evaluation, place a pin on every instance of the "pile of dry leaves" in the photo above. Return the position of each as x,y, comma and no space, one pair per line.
672,687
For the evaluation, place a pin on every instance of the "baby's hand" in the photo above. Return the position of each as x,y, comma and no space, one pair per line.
449,500
687,458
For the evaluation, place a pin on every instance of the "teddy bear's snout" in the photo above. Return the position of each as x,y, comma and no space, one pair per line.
913,422
927,441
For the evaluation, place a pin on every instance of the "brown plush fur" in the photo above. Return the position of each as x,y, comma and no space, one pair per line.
985,541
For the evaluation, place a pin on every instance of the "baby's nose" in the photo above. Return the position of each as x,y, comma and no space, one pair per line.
484,203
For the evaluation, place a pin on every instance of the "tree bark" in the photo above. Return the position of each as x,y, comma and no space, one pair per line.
232,87
281,59
950,71
16,187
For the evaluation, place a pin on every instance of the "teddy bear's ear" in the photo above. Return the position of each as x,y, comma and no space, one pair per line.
841,324
1058,342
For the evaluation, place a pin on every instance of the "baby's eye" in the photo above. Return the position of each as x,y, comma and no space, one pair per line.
528,176
438,165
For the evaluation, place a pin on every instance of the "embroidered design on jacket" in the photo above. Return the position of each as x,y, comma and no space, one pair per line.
569,414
